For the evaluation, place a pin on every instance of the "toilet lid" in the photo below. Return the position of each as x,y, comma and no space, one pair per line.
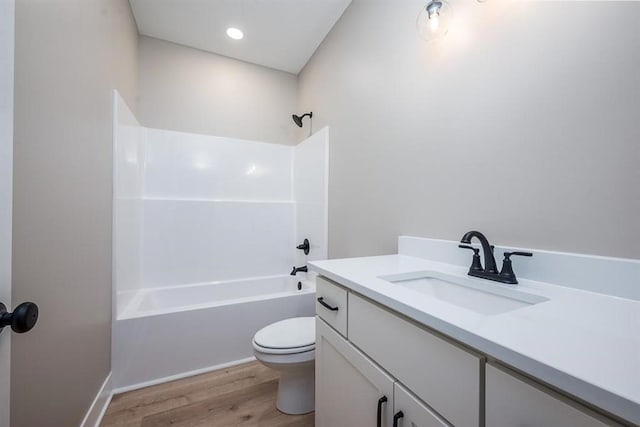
287,334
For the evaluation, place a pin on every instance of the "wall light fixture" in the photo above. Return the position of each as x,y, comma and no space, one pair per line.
434,20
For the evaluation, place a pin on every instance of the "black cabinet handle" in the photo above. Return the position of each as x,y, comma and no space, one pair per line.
325,305
382,400
396,417
23,318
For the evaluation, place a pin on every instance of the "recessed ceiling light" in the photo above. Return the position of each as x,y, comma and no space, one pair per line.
235,33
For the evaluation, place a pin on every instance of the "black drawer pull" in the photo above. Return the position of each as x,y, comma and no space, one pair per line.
382,400
325,305
396,417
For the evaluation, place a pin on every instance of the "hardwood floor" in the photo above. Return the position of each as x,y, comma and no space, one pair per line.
244,395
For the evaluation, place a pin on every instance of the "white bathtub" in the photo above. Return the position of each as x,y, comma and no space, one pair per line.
166,333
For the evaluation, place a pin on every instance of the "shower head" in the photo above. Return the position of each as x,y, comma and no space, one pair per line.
298,119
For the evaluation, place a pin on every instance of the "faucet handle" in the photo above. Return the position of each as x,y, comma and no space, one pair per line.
476,265
507,274
507,255
476,251
304,246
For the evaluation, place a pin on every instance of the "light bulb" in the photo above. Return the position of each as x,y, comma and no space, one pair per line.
434,23
434,19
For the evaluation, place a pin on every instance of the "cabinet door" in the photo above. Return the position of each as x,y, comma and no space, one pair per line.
514,401
348,385
411,412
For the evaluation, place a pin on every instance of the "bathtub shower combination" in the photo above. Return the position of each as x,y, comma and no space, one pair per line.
205,236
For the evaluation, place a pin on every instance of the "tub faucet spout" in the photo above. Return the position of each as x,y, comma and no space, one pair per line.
296,269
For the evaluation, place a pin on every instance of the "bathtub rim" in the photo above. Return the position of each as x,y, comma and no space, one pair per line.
131,311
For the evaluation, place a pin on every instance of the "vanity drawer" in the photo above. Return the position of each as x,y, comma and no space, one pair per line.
331,304
439,372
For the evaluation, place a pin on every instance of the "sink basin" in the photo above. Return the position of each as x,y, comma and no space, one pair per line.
472,294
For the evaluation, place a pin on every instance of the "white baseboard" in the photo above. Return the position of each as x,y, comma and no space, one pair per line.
181,375
99,406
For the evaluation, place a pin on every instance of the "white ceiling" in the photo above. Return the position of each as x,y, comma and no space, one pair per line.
280,34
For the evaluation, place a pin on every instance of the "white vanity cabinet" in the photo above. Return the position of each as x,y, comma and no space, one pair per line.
365,351
349,386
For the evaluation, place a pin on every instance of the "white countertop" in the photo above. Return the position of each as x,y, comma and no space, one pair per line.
584,343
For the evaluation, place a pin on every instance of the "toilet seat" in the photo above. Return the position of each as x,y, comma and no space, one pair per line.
289,336
295,350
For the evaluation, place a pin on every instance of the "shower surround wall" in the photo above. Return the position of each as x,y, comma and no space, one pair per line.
128,169
215,209
205,230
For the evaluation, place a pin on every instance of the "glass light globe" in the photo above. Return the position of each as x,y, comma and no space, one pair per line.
434,20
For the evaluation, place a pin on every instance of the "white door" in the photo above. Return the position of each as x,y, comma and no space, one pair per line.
6,173
349,387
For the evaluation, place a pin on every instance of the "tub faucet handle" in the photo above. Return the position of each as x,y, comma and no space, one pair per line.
304,246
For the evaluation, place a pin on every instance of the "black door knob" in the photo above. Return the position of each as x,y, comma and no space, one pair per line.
23,318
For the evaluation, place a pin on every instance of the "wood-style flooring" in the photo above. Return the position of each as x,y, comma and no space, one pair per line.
244,395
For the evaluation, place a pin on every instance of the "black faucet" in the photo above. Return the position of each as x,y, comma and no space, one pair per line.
487,250
490,271
296,269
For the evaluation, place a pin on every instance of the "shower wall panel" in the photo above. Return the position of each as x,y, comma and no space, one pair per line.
190,166
310,183
127,205
215,209
196,241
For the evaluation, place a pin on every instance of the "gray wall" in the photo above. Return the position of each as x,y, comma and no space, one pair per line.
69,55
522,123
191,90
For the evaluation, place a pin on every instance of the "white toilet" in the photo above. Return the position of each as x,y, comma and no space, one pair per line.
289,347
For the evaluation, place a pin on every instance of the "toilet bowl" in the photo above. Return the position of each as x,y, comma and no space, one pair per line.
289,347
